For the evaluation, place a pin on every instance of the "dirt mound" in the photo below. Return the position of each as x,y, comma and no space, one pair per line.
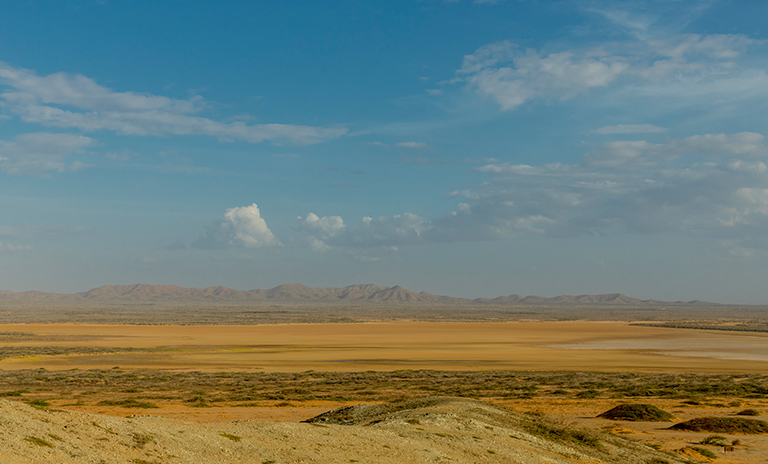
737,425
637,412
367,414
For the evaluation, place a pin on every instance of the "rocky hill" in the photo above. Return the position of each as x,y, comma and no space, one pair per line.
357,294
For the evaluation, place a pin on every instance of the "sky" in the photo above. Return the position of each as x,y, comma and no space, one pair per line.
468,148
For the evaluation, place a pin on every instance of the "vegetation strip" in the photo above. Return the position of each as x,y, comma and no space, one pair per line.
151,388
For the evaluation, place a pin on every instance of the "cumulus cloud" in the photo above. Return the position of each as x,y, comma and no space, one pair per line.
75,101
400,229
241,227
41,152
711,185
680,65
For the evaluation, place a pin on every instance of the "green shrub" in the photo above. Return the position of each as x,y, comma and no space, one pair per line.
39,404
714,440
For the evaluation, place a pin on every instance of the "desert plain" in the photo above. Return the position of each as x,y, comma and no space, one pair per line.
166,391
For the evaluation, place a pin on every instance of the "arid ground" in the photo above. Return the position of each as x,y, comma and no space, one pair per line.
569,371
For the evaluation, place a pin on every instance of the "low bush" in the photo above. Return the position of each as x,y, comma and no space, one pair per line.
738,425
637,412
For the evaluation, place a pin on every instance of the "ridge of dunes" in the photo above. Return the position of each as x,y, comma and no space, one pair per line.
440,429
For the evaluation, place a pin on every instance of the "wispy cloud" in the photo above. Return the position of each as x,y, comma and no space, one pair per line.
629,129
678,66
41,152
512,76
75,101
646,19
413,145
11,248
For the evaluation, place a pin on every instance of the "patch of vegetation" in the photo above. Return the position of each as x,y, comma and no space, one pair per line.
739,425
588,394
544,428
657,461
637,412
714,440
704,452
39,404
39,442
730,326
129,403
748,412
248,389
230,436
140,440
14,393
27,351
198,401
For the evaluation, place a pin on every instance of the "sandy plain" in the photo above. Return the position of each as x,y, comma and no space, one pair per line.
605,346
526,345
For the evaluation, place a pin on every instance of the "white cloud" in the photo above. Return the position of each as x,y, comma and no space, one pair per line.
710,185
75,101
41,152
513,77
638,153
241,227
629,129
400,229
679,66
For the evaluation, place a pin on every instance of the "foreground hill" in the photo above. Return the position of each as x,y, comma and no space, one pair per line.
357,294
426,430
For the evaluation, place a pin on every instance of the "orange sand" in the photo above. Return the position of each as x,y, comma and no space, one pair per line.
572,345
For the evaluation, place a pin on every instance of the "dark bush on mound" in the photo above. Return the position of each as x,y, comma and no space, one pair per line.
637,412
748,412
724,425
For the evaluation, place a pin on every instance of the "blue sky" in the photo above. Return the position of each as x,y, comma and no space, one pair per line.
466,148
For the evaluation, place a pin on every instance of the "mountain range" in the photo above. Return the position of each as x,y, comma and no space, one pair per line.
363,293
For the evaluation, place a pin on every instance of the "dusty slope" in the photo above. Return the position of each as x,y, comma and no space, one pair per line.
437,430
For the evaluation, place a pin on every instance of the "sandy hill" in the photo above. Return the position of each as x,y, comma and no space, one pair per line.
357,294
436,430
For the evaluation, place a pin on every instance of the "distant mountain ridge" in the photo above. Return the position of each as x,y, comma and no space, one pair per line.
361,293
